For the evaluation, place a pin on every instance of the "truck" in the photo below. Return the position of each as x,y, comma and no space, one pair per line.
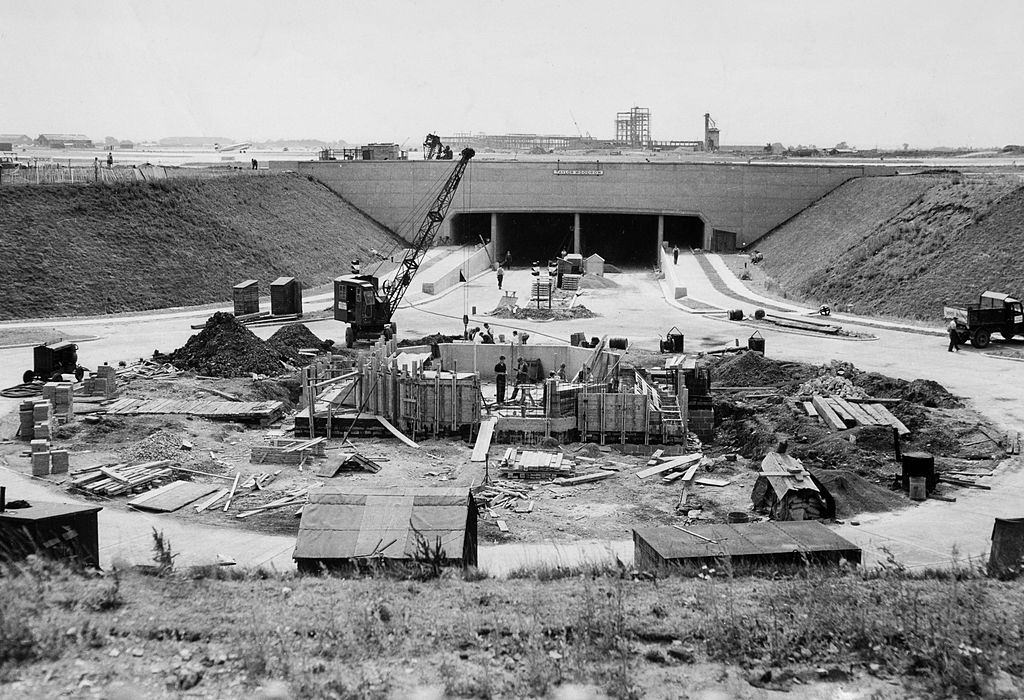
995,312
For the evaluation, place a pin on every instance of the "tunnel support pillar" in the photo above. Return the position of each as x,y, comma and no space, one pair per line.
661,240
576,241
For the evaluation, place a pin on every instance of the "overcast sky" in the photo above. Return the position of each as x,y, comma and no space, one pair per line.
870,73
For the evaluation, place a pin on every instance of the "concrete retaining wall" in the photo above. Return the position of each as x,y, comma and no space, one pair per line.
750,199
445,274
470,357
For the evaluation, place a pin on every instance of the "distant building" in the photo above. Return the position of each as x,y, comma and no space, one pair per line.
381,151
125,145
64,141
16,139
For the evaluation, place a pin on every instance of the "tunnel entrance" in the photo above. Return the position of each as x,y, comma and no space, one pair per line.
531,237
628,240
684,231
469,229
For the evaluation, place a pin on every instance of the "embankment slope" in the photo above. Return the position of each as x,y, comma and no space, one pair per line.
82,250
903,246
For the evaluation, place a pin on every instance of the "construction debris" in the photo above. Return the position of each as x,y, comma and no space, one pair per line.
281,451
348,463
786,491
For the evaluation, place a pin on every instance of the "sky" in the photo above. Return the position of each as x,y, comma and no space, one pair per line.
925,73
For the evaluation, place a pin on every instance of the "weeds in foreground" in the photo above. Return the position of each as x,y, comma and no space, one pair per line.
163,556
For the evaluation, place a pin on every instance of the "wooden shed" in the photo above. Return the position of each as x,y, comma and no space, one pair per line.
786,491
742,545
65,531
343,528
246,296
285,296
594,265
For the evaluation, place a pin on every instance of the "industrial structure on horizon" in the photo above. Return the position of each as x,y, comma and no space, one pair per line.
632,130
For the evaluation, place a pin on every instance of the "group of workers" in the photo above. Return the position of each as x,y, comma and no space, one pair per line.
522,376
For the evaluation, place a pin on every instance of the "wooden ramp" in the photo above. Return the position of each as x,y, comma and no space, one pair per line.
483,440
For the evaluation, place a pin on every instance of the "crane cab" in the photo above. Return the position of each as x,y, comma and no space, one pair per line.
358,302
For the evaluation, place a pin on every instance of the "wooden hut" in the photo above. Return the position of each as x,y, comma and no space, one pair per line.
344,528
786,491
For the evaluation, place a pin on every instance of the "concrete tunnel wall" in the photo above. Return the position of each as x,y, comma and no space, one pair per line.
748,199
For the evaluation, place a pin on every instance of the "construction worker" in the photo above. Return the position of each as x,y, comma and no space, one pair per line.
522,377
583,376
488,335
501,275
560,374
508,258
675,255
500,376
954,335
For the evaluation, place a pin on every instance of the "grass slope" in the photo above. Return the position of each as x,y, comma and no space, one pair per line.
132,636
126,247
903,246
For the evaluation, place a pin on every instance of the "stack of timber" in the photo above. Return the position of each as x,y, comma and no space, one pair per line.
147,369
786,491
264,412
571,283
502,495
840,414
120,479
534,465
802,324
281,451
257,482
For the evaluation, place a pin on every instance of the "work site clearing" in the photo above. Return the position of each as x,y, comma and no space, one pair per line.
558,491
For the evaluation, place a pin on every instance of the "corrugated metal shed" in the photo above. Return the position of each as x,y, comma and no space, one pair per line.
768,543
340,524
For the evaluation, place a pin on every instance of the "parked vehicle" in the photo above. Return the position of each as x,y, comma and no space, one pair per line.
995,312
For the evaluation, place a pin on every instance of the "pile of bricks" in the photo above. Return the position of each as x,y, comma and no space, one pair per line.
37,419
48,461
62,397
102,382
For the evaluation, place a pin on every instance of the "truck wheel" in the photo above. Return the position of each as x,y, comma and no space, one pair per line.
28,377
350,337
981,338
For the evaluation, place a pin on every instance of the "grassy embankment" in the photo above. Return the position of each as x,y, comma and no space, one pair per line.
222,633
903,246
82,250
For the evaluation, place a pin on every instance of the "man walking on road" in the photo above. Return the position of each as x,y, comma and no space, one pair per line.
500,375
675,255
501,275
954,336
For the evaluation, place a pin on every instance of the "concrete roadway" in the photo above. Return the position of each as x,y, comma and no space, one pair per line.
640,309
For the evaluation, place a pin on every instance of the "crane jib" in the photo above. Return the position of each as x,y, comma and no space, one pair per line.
426,233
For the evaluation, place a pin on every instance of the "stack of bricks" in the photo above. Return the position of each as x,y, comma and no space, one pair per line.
47,461
62,396
36,419
103,382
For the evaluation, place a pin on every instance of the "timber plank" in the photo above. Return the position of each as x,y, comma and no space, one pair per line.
829,416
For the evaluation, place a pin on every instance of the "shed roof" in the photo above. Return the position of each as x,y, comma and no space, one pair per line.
743,539
342,523
65,137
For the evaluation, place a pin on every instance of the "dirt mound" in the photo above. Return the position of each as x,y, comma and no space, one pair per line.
590,449
750,368
173,242
165,444
597,282
854,494
288,340
920,391
226,348
428,340
535,314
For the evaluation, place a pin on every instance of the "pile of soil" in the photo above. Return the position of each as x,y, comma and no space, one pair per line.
750,368
165,444
428,340
226,348
535,314
288,340
597,282
855,494
920,391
